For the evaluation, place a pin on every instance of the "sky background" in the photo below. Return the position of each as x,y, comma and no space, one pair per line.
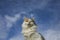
46,14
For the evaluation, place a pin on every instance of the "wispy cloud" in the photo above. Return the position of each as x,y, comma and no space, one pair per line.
3,28
11,20
52,35
6,23
17,37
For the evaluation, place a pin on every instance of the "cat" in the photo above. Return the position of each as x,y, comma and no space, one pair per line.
29,30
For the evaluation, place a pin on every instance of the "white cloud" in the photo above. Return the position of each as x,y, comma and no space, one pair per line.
6,23
11,20
18,37
3,29
52,35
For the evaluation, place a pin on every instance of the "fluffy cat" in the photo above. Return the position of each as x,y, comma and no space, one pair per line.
29,28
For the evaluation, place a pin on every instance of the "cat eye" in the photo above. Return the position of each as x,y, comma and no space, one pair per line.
31,22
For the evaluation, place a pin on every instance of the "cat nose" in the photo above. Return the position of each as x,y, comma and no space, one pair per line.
26,20
29,23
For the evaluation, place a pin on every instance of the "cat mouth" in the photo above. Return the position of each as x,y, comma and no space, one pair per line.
30,25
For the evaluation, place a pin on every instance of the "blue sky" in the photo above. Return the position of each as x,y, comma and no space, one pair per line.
45,12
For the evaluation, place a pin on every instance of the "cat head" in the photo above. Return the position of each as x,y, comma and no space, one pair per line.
29,21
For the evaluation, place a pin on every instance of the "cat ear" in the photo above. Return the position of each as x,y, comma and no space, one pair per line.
33,18
25,19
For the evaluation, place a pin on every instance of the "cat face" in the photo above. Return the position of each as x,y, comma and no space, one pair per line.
28,22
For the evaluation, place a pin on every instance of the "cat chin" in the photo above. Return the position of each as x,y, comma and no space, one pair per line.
29,31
